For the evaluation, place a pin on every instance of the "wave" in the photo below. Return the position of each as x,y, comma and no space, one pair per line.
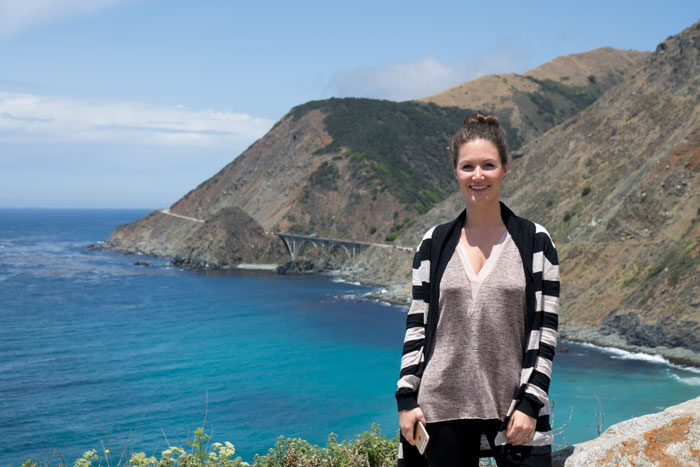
689,380
627,355
340,280
651,358
352,296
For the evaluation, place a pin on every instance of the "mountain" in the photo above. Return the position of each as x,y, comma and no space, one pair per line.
617,186
547,95
360,169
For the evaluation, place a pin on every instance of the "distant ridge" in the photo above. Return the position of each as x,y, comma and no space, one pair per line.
546,95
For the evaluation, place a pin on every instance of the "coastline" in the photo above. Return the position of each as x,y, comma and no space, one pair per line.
674,355
399,295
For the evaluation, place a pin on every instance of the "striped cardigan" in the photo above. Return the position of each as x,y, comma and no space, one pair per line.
541,266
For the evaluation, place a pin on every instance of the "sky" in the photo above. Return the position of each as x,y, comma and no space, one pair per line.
133,103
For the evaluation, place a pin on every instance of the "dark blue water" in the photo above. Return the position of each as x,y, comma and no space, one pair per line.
96,351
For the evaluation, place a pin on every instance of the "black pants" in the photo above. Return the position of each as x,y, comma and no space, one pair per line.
456,444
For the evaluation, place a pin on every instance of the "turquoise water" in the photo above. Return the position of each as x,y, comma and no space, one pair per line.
95,350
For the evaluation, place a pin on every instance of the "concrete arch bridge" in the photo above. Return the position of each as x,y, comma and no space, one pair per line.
296,243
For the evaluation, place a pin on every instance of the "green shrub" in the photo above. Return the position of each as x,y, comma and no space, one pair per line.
392,236
370,448
324,177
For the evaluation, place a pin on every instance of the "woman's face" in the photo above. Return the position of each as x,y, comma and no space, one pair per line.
480,172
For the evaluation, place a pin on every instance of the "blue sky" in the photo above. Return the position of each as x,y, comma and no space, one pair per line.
132,103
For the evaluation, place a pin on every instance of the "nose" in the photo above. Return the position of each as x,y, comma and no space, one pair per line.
478,173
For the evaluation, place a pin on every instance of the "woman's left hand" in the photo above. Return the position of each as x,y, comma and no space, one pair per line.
521,428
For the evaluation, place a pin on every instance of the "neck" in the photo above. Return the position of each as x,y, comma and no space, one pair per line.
484,216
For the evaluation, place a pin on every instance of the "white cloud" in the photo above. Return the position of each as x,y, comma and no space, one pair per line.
396,80
19,15
427,76
33,118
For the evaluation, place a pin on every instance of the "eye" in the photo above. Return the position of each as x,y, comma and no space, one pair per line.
468,167
489,165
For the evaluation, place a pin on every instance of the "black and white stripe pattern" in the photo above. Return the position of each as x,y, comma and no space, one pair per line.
541,266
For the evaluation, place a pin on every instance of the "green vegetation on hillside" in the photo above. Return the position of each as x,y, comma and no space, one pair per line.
555,101
324,177
401,147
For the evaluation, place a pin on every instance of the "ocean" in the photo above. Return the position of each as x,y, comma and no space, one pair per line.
97,352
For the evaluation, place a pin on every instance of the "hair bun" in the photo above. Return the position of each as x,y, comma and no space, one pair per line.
481,118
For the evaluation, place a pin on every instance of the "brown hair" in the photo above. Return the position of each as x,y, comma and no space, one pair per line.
480,125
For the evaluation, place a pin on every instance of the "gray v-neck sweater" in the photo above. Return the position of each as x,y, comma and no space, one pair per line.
476,354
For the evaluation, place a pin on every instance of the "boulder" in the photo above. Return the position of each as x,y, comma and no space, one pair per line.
668,438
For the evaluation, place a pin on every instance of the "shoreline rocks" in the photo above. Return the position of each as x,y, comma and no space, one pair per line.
667,438
677,355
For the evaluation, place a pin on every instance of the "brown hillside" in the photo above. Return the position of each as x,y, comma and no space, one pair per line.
223,241
618,187
589,73
267,178
360,169
608,66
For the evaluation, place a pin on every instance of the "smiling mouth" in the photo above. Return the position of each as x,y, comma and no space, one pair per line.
479,188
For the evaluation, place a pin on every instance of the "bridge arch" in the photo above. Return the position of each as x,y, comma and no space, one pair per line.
296,244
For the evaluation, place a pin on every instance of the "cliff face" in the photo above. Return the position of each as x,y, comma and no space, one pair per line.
360,169
618,187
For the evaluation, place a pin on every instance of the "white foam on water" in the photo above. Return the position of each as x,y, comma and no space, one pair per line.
340,280
627,355
689,380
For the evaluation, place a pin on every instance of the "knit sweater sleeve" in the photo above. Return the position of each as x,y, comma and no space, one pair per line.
413,354
543,338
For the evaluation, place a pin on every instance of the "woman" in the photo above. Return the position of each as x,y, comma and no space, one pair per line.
482,327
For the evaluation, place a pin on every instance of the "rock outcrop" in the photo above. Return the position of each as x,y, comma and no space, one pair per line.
223,241
666,439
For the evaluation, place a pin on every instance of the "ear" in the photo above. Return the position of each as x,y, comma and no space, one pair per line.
505,169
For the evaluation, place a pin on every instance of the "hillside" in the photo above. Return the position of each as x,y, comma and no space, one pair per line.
361,169
617,186
547,95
